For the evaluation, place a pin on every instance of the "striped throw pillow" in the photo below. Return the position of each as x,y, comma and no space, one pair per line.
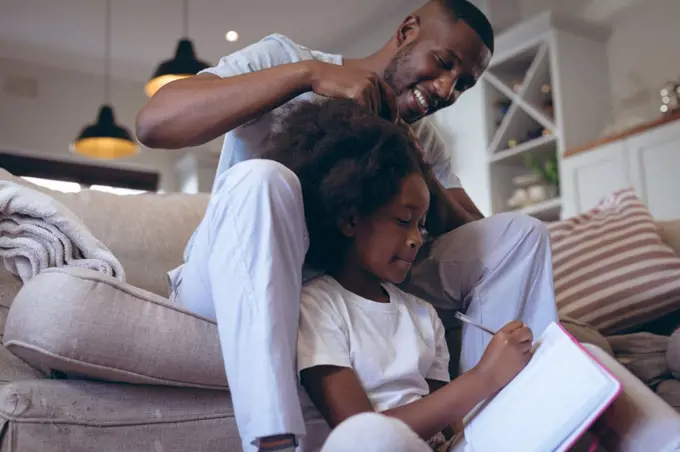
611,269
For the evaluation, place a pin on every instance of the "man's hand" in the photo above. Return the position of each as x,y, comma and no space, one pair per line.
365,87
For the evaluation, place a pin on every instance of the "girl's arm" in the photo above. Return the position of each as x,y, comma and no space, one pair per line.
338,394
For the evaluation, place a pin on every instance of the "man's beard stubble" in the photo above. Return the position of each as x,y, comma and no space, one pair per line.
398,73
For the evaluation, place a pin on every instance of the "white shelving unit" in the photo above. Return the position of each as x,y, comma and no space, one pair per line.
546,91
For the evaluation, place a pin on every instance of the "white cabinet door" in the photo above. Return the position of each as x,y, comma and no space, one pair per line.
588,177
654,160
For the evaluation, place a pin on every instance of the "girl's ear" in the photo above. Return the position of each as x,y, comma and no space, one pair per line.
347,224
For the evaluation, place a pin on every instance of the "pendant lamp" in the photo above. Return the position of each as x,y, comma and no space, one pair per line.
183,64
105,139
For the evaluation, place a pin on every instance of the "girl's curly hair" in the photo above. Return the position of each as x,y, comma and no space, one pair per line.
349,162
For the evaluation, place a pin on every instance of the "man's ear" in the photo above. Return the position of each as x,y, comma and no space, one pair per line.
348,224
408,30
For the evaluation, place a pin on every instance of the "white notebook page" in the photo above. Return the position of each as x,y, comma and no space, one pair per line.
541,407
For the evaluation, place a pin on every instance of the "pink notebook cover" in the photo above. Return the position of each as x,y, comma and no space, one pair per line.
586,426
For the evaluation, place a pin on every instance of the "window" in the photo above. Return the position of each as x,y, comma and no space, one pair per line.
74,187
58,185
72,177
117,190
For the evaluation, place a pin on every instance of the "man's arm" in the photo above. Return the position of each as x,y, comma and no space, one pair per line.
446,211
243,86
195,110
460,197
452,204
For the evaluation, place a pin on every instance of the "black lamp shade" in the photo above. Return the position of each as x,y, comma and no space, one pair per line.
105,139
184,64
105,126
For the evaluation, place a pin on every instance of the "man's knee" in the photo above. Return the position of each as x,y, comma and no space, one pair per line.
523,227
375,432
482,237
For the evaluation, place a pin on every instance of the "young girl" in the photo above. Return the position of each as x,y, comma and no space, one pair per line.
363,344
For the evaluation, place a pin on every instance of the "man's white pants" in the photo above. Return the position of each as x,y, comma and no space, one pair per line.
244,269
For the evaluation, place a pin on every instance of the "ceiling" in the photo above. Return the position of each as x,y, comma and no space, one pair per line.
70,33
599,11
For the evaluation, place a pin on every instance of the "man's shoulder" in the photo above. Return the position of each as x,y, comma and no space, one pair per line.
427,131
294,48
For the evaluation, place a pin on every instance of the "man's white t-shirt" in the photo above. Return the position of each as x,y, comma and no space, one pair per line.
246,142
394,347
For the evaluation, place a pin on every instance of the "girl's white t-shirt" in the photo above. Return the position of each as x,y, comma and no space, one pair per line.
393,347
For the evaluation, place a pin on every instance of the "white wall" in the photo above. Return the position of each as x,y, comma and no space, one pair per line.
372,36
643,55
463,127
64,102
642,49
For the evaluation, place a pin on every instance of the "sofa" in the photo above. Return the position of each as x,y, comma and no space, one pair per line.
90,363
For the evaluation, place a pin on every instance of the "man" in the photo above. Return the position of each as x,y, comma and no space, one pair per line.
243,264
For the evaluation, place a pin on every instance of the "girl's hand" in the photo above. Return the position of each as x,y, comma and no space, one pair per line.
507,354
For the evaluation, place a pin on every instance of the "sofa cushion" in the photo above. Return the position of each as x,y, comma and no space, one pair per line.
669,231
644,354
9,286
86,324
84,416
13,368
611,268
673,354
669,391
586,334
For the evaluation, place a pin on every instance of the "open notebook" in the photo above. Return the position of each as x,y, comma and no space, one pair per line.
549,405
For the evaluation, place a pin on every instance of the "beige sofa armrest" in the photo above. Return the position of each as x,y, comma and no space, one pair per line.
89,325
669,230
639,420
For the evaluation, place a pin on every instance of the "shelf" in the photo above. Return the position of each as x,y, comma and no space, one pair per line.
537,95
551,110
542,145
517,129
548,210
514,73
500,106
526,138
530,112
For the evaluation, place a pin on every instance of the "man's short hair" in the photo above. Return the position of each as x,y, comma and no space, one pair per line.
474,17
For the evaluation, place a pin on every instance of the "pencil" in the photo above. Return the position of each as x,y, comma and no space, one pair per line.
465,319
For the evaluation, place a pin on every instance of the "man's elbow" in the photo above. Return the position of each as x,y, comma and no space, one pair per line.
148,130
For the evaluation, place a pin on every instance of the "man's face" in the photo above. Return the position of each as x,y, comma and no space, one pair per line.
436,66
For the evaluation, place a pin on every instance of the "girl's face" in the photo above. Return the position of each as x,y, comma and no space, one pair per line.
386,243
